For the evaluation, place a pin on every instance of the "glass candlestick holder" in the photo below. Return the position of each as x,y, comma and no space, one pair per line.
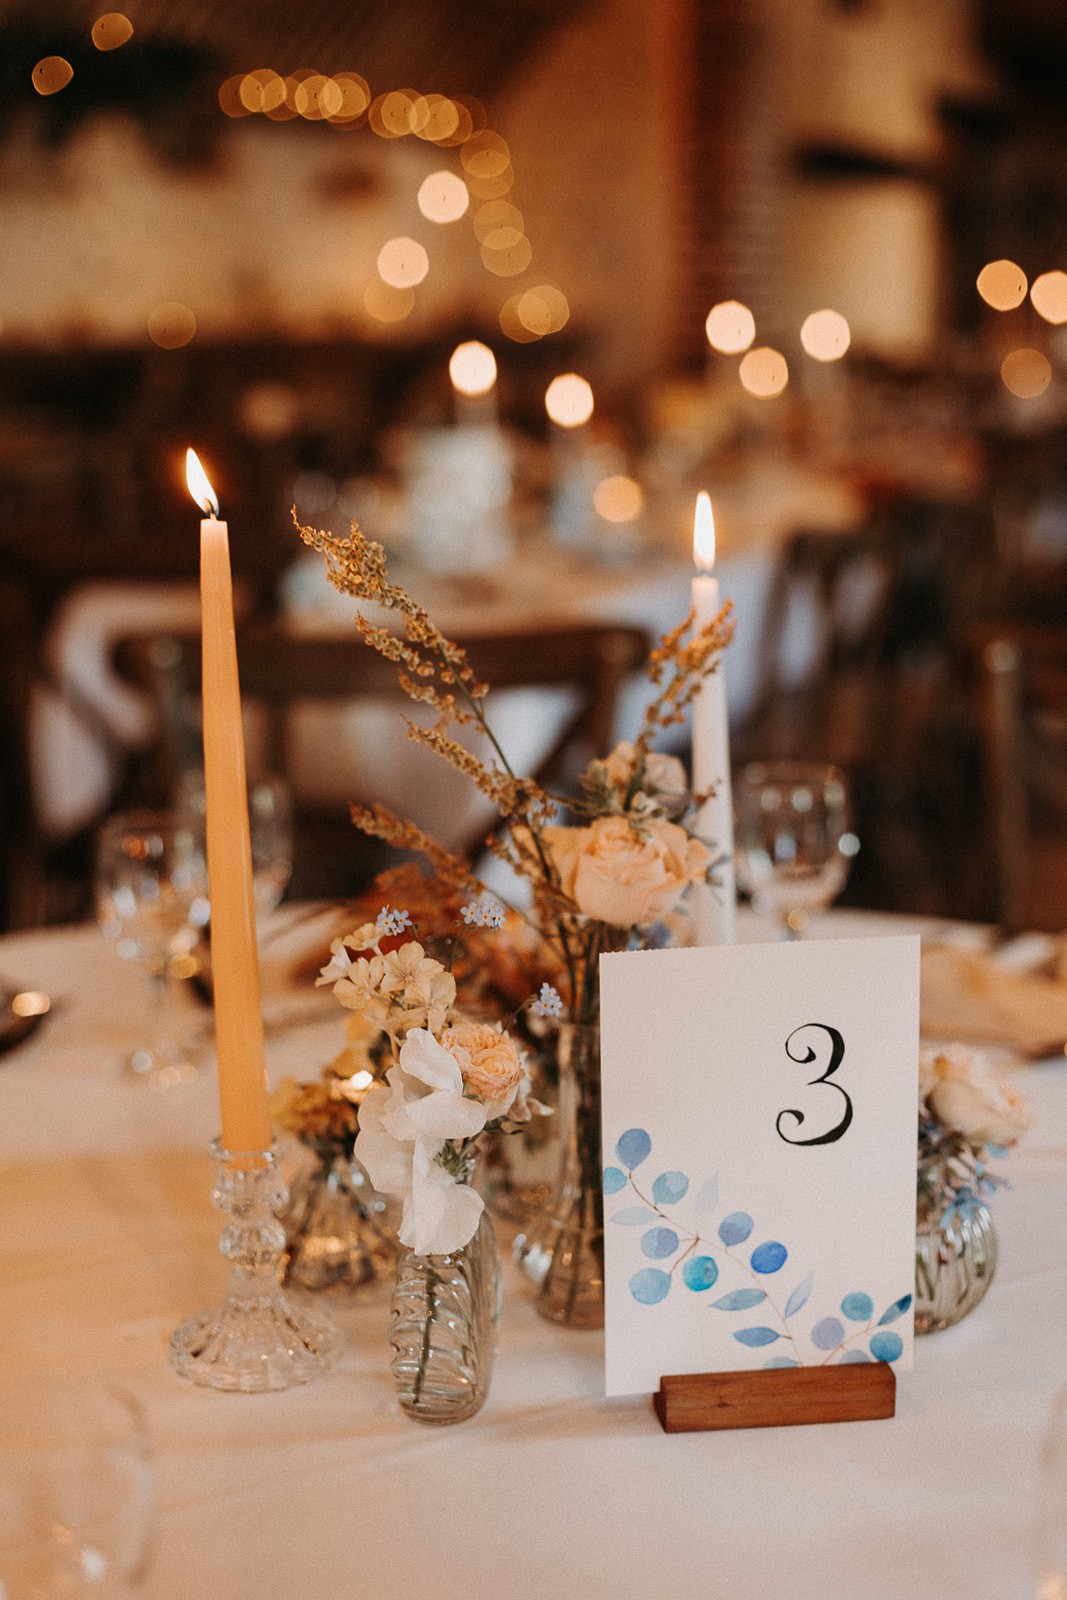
258,1338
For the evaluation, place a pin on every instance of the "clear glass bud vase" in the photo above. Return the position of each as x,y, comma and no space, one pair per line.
955,1258
562,1251
445,1314
336,1232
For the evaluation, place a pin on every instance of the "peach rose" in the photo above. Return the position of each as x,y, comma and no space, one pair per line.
968,1095
489,1061
627,877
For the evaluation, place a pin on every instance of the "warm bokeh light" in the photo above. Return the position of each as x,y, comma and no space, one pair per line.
764,372
355,98
230,100
485,155
1048,293
1002,285
618,498
387,304
825,335
441,120
495,215
704,533
317,98
443,197
1027,373
402,263
262,90
472,368
569,400
511,323
199,485
730,327
543,309
491,188
509,262
52,74
391,115
111,30
171,325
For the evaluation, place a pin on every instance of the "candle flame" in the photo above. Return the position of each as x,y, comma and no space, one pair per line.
199,486
704,533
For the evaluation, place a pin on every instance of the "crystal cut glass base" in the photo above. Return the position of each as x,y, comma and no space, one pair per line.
955,1258
258,1338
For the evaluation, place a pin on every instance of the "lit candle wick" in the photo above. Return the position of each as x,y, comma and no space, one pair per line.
199,485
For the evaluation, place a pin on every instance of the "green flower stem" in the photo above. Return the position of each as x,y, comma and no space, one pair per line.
428,1324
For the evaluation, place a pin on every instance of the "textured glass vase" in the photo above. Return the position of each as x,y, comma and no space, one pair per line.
562,1251
443,1335
336,1232
955,1258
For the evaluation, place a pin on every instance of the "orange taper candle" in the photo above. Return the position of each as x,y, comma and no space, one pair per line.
234,958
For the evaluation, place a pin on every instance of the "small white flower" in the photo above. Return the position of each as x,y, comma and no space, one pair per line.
548,1003
483,914
392,920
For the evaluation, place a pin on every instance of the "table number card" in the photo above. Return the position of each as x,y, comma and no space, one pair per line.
759,1116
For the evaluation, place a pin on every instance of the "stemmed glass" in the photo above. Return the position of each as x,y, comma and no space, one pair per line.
270,827
77,1491
152,899
793,840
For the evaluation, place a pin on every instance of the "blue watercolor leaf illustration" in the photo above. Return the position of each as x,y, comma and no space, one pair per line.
659,1242
897,1309
650,1286
852,1358
754,1337
634,1217
700,1272
706,1200
780,1361
857,1307
614,1180
633,1147
735,1228
768,1257
799,1298
886,1346
827,1334
669,1188
739,1300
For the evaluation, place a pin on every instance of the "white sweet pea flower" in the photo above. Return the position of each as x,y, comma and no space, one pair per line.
402,1130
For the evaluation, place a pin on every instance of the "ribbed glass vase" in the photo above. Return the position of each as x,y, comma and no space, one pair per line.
955,1258
443,1336
336,1232
562,1251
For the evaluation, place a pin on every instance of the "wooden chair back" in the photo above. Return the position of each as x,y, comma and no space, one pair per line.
1024,726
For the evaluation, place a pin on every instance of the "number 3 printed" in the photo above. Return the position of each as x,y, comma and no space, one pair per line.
837,1055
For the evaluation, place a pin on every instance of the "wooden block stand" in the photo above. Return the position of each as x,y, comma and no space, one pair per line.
776,1397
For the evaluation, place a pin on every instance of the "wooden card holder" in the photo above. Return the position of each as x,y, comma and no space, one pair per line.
776,1397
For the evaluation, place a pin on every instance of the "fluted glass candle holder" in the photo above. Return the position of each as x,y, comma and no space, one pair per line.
258,1338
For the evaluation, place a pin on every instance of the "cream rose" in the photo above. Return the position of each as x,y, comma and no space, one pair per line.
968,1095
624,877
489,1061
664,775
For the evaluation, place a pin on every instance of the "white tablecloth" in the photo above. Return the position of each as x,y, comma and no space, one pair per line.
108,1239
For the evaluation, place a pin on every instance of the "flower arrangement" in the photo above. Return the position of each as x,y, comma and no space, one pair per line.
449,1081
967,1112
601,878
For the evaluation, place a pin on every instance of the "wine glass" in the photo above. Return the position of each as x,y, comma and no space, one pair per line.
1050,1508
152,899
793,841
77,1490
270,828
